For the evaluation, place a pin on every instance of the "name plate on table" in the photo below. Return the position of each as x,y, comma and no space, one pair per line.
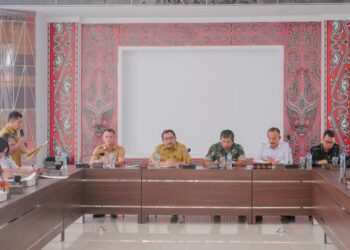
55,165
16,188
291,166
258,165
82,165
188,166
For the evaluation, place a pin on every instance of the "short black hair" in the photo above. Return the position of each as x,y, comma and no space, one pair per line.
227,133
4,146
274,129
168,131
328,132
14,115
110,130
7,137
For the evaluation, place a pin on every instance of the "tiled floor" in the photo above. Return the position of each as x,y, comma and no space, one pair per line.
195,232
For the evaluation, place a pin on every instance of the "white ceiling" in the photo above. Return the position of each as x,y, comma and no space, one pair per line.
239,13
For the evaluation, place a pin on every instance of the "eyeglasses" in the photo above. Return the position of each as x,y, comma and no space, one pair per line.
329,142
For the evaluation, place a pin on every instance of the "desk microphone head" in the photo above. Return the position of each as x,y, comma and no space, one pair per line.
288,137
188,150
21,133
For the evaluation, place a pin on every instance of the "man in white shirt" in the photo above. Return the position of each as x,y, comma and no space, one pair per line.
274,151
8,163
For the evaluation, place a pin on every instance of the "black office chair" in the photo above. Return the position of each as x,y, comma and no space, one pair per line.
49,161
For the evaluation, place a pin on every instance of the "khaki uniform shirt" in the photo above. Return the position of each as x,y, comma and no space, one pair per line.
101,152
178,153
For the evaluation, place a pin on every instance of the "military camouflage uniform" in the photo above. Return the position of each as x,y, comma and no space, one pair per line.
216,151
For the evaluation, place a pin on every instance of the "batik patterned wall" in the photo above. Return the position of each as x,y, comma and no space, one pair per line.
302,69
99,83
62,77
17,69
338,68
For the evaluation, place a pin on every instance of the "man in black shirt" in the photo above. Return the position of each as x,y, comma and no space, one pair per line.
324,152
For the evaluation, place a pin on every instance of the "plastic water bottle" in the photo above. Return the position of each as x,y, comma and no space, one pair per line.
309,161
112,159
157,160
222,161
342,167
229,160
64,160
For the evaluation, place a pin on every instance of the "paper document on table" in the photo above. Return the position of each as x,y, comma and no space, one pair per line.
260,161
29,177
58,177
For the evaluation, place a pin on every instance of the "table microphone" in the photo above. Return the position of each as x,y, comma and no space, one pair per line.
21,132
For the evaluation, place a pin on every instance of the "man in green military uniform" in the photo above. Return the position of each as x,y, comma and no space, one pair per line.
219,151
226,145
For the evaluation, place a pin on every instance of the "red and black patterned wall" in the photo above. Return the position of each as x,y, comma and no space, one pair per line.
62,70
337,90
99,63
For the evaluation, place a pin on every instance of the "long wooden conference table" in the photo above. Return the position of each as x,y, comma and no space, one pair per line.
32,219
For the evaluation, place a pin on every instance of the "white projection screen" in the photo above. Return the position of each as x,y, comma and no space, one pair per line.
198,92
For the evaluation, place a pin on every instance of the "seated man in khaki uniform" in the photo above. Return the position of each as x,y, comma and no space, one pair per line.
102,153
171,152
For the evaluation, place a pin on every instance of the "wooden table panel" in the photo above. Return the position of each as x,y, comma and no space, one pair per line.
198,174
196,194
118,173
33,227
115,191
330,201
112,193
282,175
282,195
72,205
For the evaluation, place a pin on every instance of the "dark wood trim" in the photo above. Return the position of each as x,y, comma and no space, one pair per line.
53,205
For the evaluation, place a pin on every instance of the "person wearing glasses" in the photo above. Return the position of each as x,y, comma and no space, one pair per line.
171,152
324,152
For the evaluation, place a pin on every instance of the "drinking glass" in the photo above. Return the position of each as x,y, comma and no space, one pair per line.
334,160
302,161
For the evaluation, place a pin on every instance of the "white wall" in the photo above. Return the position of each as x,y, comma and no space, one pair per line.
198,91
41,84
